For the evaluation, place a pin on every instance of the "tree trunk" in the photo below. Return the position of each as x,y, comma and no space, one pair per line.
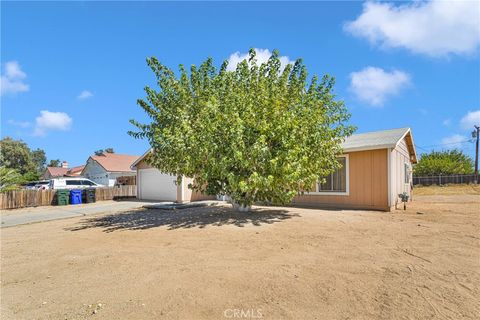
241,207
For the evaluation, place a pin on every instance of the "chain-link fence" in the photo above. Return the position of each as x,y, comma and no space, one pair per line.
443,179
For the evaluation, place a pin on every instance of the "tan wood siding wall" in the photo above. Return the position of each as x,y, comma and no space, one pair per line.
368,184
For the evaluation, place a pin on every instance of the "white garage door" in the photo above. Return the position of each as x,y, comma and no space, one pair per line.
154,185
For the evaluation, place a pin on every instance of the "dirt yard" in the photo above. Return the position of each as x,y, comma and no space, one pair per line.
275,263
451,189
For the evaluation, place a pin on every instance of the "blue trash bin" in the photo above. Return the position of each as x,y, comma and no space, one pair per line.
75,196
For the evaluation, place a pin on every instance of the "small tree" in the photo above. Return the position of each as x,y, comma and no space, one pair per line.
9,179
55,163
103,151
258,133
30,176
444,162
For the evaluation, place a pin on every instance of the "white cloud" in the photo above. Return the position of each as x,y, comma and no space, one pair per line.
51,121
85,94
374,85
453,141
447,122
470,119
13,70
262,56
12,79
21,124
434,28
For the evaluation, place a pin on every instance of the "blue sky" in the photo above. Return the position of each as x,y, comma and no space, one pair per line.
72,71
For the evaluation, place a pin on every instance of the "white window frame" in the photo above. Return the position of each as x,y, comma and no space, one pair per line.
347,182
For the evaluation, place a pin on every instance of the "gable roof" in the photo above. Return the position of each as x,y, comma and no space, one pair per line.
140,158
61,172
114,162
57,171
75,171
380,140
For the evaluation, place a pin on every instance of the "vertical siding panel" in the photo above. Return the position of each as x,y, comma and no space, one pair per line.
371,178
368,183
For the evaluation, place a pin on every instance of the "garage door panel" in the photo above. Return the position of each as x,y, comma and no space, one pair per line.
155,185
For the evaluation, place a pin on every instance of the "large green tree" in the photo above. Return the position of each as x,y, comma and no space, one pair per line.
16,154
260,133
443,162
39,159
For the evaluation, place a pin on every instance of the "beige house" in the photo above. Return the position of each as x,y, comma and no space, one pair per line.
376,168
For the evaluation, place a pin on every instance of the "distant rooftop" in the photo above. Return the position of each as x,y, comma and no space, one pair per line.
115,162
57,171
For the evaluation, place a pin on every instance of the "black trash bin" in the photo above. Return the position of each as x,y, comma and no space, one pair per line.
90,195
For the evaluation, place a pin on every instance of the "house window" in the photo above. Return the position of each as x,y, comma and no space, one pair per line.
407,172
336,182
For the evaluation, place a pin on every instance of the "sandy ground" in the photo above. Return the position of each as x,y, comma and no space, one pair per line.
449,189
275,263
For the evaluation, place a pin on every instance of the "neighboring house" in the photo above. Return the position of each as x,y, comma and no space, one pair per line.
105,169
63,171
155,185
377,167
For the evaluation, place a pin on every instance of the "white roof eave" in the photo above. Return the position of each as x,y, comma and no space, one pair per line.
377,147
133,166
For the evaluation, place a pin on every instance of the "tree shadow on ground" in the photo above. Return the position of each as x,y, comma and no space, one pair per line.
186,218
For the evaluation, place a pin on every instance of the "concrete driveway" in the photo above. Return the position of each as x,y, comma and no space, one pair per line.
10,218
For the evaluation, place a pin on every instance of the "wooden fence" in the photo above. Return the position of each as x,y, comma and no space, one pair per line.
34,198
443,179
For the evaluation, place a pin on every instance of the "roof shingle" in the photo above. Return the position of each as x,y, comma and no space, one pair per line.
374,140
115,162
57,171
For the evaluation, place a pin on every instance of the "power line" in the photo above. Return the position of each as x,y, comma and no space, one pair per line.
442,144
422,148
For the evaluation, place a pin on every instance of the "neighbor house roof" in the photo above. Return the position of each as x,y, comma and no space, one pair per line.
57,171
75,171
60,172
380,140
114,162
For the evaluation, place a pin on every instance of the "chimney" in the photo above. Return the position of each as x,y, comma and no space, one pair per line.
64,164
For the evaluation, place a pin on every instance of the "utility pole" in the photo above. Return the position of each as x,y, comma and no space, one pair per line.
476,134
